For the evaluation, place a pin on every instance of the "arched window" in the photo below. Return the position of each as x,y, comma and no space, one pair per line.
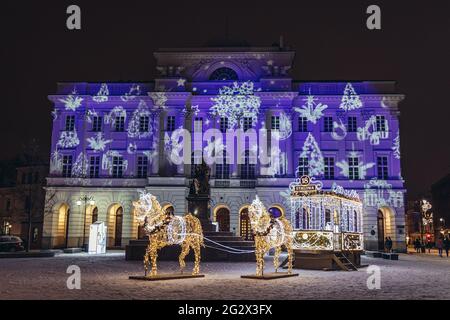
223,74
297,219
355,221
305,219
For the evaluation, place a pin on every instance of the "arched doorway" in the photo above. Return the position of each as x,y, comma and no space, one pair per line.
223,219
245,228
66,228
94,215
380,230
62,226
118,227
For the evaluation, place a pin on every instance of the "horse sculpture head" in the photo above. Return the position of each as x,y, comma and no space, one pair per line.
149,212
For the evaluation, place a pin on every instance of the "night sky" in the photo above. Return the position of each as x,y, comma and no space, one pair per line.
331,40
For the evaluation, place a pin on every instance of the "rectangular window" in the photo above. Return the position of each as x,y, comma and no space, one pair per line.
380,124
119,123
170,126
329,168
353,168
223,170
117,167
97,124
302,124
382,168
70,123
351,124
247,123
275,123
142,166
328,124
303,166
67,166
143,123
94,166
223,125
198,125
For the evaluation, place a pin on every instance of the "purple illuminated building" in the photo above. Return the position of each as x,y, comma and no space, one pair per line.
111,139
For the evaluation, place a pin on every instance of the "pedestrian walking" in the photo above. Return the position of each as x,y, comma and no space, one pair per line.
446,245
440,245
417,245
389,244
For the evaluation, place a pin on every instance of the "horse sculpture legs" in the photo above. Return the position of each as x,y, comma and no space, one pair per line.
184,252
185,248
276,258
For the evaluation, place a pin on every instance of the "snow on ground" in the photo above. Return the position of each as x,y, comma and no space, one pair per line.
106,277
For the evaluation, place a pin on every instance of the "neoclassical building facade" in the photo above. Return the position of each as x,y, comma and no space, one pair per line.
110,140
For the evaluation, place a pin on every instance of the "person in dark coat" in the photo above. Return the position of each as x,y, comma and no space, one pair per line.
417,245
446,244
440,245
389,244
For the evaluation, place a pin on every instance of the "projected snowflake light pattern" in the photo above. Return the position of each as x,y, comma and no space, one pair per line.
68,139
312,151
237,102
311,110
361,168
97,142
350,99
102,95
72,102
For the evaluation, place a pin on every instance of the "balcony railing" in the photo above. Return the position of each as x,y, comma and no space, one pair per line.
247,183
222,183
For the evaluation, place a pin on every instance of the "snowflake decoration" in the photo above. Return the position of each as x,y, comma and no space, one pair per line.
312,151
134,124
81,166
193,110
396,146
132,93
362,168
68,139
350,99
102,95
72,102
237,102
312,111
98,143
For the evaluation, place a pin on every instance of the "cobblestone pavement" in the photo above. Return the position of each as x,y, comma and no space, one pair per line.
106,277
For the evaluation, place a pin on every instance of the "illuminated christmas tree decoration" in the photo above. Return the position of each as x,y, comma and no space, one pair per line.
68,139
312,151
81,166
269,232
163,229
237,102
134,128
312,111
72,102
102,94
350,99
97,142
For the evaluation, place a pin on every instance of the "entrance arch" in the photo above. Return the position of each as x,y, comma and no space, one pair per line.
115,225
62,226
223,219
244,225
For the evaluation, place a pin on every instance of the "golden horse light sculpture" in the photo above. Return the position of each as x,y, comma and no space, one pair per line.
269,232
164,229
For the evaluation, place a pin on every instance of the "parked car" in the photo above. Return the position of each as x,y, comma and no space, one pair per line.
11,244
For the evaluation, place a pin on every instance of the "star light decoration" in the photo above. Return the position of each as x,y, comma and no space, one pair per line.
237,102
312,111
164,229
350,100
269,232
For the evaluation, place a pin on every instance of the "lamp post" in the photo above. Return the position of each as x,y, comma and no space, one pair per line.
84,200
427,217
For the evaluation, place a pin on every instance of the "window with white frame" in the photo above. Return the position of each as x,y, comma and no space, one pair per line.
223,167
275,123
302,124
94,166
328,124
97,123
382,168
70,123
329,168
67,166
303,166
248,168
143,123
142,166
380,124
353,168
117,167
119,123
351,124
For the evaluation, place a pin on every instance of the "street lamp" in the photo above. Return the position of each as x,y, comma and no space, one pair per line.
85,199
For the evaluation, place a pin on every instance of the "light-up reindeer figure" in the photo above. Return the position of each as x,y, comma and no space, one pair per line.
269,232
164,229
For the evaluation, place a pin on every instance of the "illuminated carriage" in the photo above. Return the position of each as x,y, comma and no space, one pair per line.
327,225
